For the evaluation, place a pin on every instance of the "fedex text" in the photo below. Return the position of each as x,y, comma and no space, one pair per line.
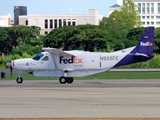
146,44
72,60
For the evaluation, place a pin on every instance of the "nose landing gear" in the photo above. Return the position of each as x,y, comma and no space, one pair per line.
19,80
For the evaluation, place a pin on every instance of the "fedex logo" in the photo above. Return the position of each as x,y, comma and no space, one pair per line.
146,44
72,60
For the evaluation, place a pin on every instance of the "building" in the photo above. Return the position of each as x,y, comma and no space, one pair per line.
149,11
120,2
117,6
18,11
5,21
50,22
114,7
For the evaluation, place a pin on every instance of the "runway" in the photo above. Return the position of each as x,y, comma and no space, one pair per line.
82,99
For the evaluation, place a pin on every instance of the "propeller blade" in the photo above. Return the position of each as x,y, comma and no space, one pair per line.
10,66
9,63
11,69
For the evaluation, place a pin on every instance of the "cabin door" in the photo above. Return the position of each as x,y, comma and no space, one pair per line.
92,61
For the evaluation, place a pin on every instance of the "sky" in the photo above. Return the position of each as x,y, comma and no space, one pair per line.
57,6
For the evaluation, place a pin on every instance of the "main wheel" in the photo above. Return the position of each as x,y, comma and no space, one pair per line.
70,80
19,80
62,80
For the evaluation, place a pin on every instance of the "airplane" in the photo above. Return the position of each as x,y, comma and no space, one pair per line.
55,62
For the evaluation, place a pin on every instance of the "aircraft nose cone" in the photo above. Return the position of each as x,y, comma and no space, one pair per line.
9,63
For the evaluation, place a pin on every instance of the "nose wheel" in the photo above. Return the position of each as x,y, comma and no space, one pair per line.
64,80
19,80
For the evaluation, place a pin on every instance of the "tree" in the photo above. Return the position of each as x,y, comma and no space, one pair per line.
5,45
134,36
17,37
21,35
28,49
82,37
124,19
104,21
157,40
131,10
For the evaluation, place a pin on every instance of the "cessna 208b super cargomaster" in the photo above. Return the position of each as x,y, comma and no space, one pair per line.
76,63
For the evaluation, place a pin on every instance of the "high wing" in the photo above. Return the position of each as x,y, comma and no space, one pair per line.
56,51
59,52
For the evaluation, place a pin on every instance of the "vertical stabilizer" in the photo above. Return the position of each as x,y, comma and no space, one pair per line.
145,45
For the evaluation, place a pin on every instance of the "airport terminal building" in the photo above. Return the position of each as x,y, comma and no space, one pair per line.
49,22
149,11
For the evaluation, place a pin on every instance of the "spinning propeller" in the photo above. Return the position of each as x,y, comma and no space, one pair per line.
10,66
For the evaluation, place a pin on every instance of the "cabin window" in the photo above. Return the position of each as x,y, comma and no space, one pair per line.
46,58
38,56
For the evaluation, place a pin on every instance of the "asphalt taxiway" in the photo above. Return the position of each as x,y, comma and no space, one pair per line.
81,99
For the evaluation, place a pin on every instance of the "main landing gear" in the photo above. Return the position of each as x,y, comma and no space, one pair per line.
64,80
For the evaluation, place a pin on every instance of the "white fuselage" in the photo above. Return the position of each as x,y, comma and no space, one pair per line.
82,64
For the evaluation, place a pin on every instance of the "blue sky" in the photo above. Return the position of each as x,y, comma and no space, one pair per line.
57,6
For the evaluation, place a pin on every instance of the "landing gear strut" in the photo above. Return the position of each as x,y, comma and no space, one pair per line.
64,80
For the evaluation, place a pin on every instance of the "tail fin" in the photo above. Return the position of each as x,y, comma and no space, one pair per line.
145,45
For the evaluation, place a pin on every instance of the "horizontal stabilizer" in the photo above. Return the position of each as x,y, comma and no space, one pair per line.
57,51
141,55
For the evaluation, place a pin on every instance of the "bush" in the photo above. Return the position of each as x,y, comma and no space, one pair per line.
3,61
25,55
155,62
28,49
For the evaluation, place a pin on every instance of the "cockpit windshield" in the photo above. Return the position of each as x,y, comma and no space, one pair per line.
38,56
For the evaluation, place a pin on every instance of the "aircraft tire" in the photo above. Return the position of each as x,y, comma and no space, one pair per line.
70,80
19,80
63,80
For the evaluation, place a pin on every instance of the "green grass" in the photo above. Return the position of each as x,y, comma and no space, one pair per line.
106,75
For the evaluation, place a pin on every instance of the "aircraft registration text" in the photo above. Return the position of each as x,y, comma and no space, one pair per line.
109,58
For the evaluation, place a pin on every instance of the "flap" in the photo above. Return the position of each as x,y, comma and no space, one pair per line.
57,51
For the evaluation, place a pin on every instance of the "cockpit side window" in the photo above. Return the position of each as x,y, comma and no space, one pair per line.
46,58
38,56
